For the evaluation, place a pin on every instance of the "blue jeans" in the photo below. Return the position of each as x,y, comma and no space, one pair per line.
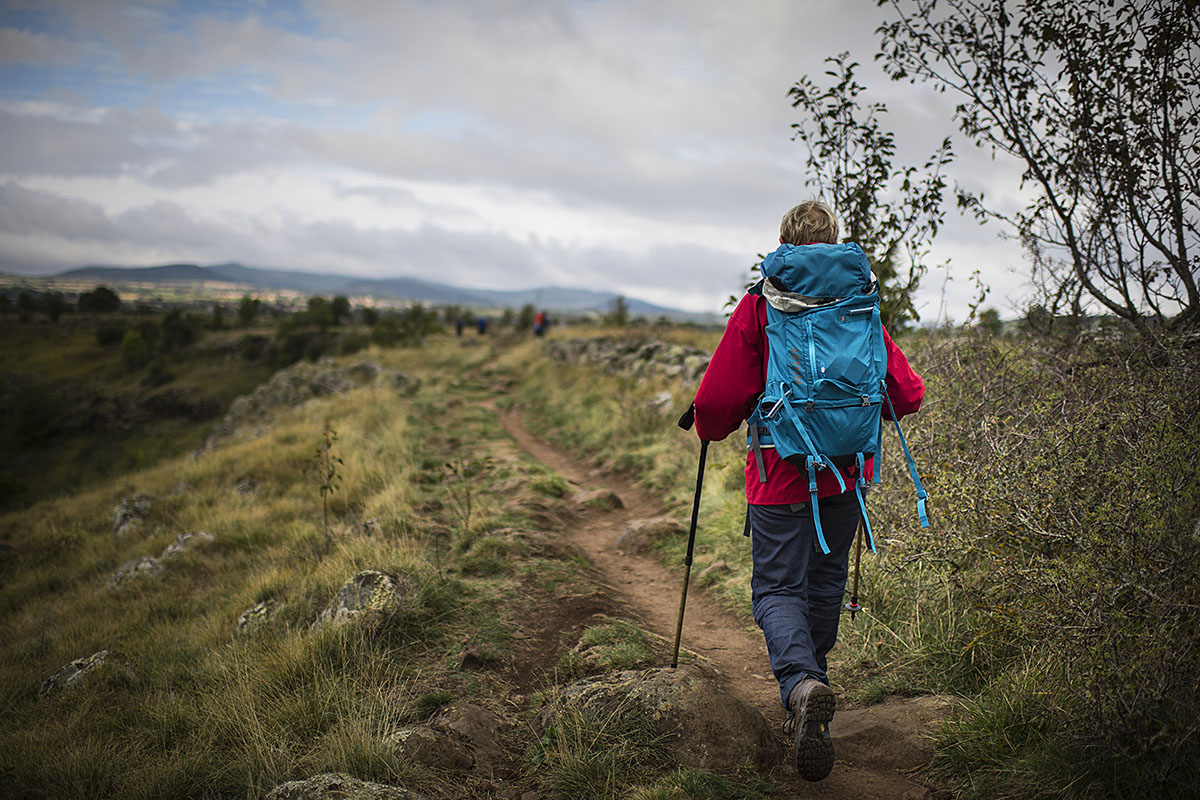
796,589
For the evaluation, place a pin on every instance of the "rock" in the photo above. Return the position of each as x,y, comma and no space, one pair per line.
662,401
404,383
255,618
463,737
84,669
286,389
478,726
129,514
713,571
643,533
183,542
890,735
600,499
145,567
424,744
370,592
702,726
365,371
247,486
330,785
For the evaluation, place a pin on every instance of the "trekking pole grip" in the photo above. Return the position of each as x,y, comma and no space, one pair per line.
687,561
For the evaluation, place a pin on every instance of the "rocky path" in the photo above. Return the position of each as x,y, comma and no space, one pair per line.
878,748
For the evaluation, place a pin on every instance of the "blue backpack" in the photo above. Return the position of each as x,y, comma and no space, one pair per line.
825,388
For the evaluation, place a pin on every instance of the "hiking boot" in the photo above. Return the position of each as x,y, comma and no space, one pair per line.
811,705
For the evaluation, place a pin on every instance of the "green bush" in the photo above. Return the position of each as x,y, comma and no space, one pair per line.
1063,485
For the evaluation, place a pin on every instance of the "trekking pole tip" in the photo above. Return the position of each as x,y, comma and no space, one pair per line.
853,608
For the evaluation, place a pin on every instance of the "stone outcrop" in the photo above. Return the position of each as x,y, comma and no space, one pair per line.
182,542
370,593
149,567
641,534
82,670
146,567
331,785
463,737
128,515
298,384
256,617
637,357
701,725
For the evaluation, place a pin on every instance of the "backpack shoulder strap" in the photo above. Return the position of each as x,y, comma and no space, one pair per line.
912,465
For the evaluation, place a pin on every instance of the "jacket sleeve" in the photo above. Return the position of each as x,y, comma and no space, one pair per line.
734,378
904,385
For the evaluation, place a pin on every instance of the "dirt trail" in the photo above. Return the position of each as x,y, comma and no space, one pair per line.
877,747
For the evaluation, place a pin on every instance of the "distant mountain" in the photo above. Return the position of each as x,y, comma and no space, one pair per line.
552,298
167,273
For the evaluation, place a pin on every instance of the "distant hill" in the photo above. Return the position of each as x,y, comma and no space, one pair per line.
552,298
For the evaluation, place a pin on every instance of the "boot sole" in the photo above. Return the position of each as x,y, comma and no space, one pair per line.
813,749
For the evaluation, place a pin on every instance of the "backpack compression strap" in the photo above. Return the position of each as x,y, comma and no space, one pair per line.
859,485
912,465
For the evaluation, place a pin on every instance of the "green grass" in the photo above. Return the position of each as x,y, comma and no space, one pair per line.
1055,592
191,709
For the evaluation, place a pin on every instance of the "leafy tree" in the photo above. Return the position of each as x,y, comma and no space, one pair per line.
892,211
526,317
180,330
55,305
247,310
990,322
135,350
1099,102
320,313
101,300
217,321
339,309
618,315
370,316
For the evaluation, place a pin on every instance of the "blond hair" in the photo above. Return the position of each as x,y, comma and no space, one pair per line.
811,221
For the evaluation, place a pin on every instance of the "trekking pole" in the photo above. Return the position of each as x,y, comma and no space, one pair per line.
853,607
687,561
685,422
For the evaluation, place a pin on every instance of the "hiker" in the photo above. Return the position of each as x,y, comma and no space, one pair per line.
539,324
796,587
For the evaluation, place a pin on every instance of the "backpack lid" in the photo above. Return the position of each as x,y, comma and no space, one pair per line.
820,270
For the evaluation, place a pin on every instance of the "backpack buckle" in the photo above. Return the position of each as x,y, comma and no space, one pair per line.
866,400
809,405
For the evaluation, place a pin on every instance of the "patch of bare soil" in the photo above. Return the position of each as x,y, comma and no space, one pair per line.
878,747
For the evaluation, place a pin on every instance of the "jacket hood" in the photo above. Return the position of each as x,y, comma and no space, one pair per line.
820,270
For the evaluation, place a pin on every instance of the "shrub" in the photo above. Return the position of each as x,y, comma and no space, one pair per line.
110,333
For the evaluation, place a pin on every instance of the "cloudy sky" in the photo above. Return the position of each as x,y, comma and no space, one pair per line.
622,145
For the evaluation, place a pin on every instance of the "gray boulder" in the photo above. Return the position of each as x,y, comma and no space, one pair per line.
82,670
643,533
702,725
183,542
145,567
331,785
128,516
256,617
369,593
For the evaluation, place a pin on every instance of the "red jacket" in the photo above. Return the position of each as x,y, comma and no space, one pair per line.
735,378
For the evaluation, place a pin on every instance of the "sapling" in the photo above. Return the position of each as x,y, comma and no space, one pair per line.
327,465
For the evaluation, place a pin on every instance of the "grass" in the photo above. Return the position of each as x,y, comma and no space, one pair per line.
190,708
1055,592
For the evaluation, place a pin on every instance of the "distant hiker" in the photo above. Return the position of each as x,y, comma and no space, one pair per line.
481,326
539,324
800,559
458,327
